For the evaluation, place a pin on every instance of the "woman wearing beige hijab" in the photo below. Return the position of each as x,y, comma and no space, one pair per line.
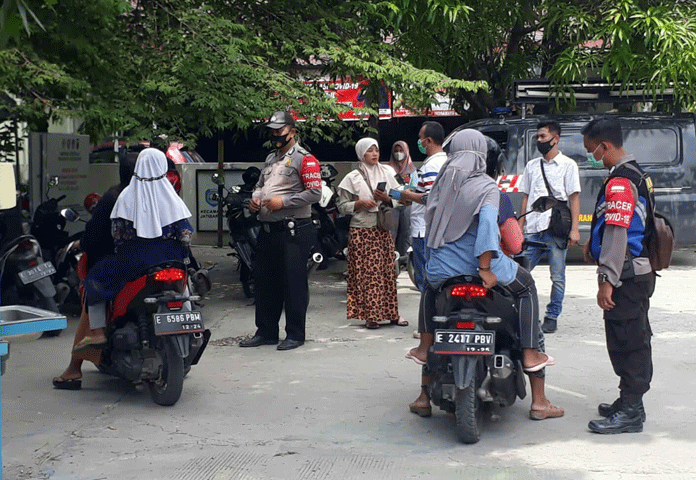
371,268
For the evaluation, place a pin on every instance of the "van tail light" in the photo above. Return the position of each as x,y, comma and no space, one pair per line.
468,291
175,305
466,325
169,275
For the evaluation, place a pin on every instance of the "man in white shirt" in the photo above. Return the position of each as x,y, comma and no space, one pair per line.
430,139
564,179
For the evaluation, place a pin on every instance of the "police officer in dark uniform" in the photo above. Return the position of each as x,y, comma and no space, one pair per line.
289,184
618,244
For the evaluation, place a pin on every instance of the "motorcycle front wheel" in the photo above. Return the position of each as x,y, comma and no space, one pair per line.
167,389
246,276
468,412
49,304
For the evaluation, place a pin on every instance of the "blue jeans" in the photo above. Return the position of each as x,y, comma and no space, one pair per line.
418,246
557,250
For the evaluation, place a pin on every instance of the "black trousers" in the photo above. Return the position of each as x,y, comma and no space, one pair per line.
628,334
281,281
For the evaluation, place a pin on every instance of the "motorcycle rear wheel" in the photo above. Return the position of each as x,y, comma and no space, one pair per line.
166,391
411,269
468,413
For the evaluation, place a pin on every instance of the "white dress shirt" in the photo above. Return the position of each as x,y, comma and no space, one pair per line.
564,179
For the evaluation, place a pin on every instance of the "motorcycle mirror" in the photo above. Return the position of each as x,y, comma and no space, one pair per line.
69,214
218,179
53,181
540,205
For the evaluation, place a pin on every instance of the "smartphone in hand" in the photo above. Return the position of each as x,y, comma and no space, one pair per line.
382,186
395,194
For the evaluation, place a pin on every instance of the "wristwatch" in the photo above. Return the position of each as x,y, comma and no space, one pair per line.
602,278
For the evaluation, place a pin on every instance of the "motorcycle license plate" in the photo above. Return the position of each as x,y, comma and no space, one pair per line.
173,323
463,342
37,273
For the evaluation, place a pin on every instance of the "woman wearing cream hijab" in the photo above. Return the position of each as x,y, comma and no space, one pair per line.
371,268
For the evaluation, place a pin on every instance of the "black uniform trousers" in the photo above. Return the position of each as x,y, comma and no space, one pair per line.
628,333
281,280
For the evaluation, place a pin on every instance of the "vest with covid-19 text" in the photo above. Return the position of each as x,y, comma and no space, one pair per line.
616,205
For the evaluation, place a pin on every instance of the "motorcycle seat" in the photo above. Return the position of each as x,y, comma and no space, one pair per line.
134,287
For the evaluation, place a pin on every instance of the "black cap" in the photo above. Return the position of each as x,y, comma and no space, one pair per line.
280,119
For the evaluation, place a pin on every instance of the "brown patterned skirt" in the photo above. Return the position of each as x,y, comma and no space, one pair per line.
371,276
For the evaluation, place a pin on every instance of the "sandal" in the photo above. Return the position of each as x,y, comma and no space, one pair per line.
372,325
401,322
67,383
90,342
550,411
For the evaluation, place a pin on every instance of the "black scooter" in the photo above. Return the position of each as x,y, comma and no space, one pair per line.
245,227
475,362
25,279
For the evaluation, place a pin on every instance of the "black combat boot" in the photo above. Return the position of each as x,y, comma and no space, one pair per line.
625,420
607,409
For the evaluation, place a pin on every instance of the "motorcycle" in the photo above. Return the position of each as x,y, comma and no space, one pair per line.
332,232
245,227
25,278
475,363
66,280
153,335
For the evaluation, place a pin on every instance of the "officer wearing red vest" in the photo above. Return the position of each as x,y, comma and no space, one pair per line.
288,186
626,281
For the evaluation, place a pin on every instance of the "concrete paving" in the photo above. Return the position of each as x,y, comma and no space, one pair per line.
336,408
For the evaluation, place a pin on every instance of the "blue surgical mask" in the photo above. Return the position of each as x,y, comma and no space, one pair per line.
421,147
594,163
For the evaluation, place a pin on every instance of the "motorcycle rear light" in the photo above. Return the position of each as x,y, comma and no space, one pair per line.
24,246
169,275
466,325
468,291
32,263
175,305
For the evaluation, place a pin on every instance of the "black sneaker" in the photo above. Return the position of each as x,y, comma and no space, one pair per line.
549,325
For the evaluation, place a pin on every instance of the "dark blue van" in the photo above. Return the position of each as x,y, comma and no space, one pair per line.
663,144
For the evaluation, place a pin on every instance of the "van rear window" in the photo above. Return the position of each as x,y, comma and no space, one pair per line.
651,146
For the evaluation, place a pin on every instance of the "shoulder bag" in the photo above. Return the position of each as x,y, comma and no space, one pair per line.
387,217
561,219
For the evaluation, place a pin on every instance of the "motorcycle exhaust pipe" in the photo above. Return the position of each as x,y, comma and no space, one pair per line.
314,262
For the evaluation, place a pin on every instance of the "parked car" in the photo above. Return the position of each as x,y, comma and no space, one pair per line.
663,144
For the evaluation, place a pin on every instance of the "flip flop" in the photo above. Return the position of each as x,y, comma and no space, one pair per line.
67,384
414,358
401,322
372,325
549,362
89,342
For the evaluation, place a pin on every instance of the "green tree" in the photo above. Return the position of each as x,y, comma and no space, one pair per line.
185,68
625,42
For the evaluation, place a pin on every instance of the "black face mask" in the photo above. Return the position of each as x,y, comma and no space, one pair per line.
279,142
544,147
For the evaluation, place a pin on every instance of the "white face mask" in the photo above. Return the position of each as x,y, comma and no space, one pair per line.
399,156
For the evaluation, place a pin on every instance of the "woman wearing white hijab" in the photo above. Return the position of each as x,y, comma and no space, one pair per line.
371,267
463,238
149,226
